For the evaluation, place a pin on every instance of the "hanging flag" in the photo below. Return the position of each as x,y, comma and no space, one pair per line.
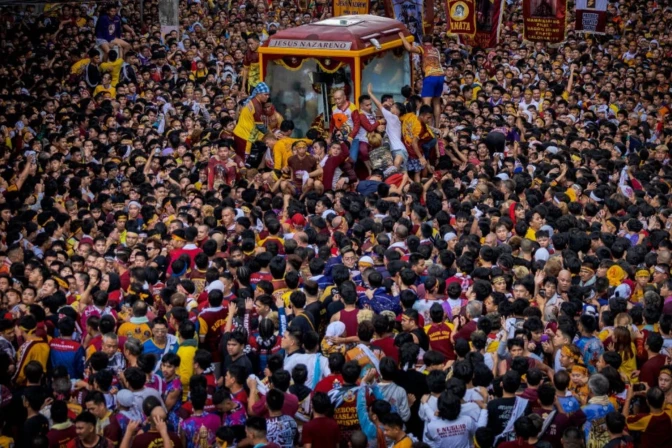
462,17
488,22
350,7
544,20
408,12
591,16
428,18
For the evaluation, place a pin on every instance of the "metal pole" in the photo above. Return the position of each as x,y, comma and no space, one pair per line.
142,12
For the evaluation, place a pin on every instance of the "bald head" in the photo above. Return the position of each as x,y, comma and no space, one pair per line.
564,281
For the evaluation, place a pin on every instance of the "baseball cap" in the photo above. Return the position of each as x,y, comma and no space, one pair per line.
298,220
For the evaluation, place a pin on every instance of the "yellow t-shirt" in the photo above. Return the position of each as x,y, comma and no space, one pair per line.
138,331
406,442
78,66
410,128
6,442
101,89
531,234
282,151
114,68
246,128
630,365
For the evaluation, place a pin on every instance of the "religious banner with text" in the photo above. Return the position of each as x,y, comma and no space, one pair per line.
488,22
591,16
544,20
350,7
461,17
410,13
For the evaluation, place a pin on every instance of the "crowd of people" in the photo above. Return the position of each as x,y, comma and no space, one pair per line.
482,259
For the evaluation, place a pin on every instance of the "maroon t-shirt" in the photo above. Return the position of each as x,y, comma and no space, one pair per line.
153,439
297,165
333,381
322,432
651,369
59,438
556,429
386,345
290,406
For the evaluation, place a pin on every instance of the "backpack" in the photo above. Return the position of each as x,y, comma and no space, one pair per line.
256,155
92,75
128,74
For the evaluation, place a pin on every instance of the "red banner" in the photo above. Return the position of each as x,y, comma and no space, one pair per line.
591,16
350,7
461,17
544,20
428,17
488,21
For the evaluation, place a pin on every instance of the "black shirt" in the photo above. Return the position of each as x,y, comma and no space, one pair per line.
303,321
499,413
228,361
315,309
423,339
625,441
37,425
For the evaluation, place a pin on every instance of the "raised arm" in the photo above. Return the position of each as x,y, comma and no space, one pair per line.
378,104
407,45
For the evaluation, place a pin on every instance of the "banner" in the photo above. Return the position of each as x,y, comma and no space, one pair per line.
591,16
350,7
461,17
488,21
544,20
428,18
408,12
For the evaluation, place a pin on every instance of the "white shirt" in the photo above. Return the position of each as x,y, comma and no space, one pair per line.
393,129
308,360
458,433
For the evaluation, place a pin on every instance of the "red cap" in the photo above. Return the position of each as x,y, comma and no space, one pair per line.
298,219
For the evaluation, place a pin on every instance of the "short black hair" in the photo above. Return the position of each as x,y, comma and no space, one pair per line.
86,417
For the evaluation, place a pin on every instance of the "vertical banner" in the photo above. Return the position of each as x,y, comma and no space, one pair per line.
591,16
428,17
461,17
544,20
408,12
488,21
350,7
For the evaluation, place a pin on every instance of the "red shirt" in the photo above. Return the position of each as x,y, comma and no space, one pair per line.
518,443
59,438
259,276
329,382
152,439
241,397
322,431
651,369
656,429
439,339
386,345
190,249
290,406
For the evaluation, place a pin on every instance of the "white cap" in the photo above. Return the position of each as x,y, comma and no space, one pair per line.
217,284
541,254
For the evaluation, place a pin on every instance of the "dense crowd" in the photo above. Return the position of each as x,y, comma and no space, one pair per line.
485,263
